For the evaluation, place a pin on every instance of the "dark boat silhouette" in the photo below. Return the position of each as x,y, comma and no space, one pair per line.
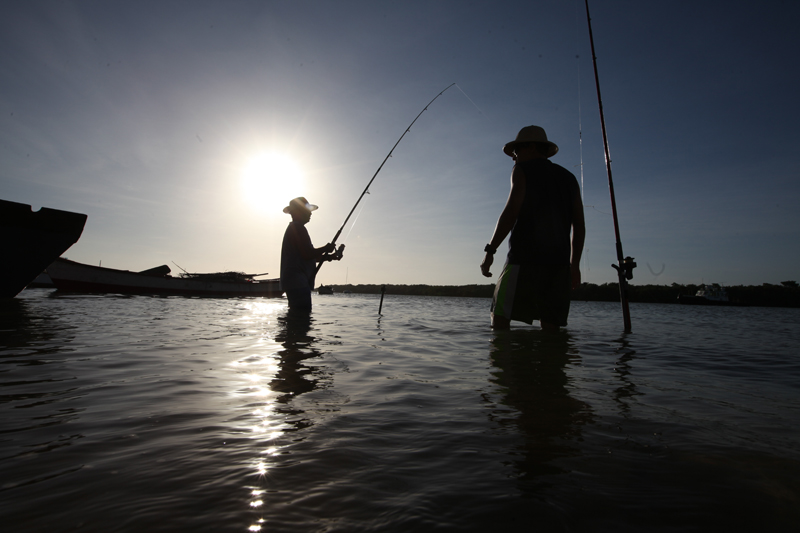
70,276
31,240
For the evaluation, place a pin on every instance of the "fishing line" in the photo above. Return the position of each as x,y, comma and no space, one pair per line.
580,112
663,267
601,212
354,221
580,141
580,118
366,189
346,238
470,99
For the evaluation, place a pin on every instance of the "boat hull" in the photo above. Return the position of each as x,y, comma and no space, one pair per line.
700,300
69,276
31,241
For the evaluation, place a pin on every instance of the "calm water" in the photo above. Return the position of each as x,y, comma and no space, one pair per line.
178,414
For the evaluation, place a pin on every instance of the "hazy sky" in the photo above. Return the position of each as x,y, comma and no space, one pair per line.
147,115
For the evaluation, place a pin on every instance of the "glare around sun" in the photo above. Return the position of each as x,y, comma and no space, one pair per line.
270,180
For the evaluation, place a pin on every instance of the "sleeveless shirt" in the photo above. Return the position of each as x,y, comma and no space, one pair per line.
541,234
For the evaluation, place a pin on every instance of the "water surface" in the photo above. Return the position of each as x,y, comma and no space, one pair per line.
164,414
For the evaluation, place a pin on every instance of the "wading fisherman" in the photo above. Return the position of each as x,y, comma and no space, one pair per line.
298,255
543,209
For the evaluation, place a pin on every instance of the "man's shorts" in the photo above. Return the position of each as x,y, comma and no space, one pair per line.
533,292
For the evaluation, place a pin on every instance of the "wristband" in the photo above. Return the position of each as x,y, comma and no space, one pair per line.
489,250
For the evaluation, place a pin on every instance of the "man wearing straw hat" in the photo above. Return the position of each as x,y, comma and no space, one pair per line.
544,215
299,257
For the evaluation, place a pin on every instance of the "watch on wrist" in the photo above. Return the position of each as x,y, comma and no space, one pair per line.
489,250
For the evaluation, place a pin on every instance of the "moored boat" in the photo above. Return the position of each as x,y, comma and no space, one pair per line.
706,295
70,276
42,281
325,289
31,240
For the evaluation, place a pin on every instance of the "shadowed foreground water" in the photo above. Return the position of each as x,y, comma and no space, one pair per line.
176,414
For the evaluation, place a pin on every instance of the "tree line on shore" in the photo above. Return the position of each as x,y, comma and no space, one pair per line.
786,294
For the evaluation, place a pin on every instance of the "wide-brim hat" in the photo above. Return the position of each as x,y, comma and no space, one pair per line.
530,134
299,204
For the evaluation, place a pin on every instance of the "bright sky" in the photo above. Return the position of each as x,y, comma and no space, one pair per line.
148,116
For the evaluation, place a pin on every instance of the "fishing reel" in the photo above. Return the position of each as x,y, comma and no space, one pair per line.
626,268
337,255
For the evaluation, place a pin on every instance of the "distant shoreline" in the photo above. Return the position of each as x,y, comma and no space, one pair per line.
787,294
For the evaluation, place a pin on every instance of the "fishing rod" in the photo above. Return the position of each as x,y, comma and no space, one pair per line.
319,265
625,265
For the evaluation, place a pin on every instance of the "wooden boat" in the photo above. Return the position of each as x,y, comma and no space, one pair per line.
69,276
31,240
42,281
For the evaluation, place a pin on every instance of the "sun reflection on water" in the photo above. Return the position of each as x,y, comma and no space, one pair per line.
256,369
271,374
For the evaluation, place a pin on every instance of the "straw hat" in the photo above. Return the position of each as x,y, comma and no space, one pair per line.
530,134
299,203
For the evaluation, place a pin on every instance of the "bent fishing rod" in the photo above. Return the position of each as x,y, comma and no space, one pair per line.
625,265
341,248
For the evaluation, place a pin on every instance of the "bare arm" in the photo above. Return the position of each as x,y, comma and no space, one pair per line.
507,218
578,238
304,246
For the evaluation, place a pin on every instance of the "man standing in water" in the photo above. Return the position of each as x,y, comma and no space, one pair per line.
299,257
543,208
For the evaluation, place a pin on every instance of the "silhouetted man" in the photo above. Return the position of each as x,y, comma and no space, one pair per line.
543,209
299,257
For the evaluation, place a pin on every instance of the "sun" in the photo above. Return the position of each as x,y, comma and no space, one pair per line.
270,180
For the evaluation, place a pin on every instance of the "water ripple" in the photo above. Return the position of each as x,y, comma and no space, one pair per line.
147,413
